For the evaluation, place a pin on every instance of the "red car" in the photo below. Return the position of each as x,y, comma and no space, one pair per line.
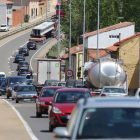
45,96
62,105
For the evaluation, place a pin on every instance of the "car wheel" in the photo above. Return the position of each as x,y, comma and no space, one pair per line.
51,127
7,97
38,115
12,98
17,101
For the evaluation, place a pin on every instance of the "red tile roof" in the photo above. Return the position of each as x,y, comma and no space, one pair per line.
117,43
8,2
74,49
113,27
112,48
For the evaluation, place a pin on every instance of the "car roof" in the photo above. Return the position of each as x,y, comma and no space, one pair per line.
106,102
23,68
53,87
22,85
111,87
19,54
17,77
2,72
73,89
24,48
31,41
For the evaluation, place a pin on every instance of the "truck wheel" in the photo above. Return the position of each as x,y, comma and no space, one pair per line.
17,101
38,115
51,127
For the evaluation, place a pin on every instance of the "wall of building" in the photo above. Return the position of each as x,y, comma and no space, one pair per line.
17,16
9,15
33,9
106,41
3,13
129,52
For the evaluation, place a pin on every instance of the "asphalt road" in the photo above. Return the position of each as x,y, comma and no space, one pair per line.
39,126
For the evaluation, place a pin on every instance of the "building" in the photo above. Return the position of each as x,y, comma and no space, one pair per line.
6,12
128,50
109,35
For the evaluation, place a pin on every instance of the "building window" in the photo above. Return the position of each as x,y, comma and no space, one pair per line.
113,36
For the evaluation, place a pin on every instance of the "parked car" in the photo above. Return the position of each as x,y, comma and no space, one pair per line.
46,95
24,51
2,89
110,91
22,64
12,81
24,71
4,27
62,84
32,45
2,75
25,92
62,105
14,91
19,57
103,119
51,82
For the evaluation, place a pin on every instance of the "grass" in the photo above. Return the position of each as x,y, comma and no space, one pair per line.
53,53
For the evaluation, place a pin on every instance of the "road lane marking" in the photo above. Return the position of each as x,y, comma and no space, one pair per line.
37,52
28,129
14,38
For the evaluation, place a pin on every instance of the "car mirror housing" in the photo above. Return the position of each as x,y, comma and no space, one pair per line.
60,132
35,96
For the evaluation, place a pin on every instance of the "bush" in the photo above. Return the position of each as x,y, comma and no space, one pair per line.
26,18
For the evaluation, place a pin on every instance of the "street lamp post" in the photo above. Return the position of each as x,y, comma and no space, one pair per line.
46,9
70,39
58,44
98,28
21,13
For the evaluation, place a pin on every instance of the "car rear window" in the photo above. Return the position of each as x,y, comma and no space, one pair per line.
26,88
110,123
48,92
113,90
22,63
19,56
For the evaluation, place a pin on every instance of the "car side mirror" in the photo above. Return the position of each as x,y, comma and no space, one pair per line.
60,132
35,96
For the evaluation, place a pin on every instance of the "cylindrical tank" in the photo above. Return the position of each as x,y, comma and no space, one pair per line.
106,73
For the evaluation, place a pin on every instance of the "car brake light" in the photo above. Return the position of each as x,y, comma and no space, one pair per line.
93,94
26,50
28,72
125,95
19,72
103,95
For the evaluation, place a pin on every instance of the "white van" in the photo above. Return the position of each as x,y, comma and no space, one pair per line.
2,75
4,27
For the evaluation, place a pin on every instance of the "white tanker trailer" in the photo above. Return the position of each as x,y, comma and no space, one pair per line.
104,72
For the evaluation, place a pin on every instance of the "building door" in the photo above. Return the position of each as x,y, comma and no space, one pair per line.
8,21
36,11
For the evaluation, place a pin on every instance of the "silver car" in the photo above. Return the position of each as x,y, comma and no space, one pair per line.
25,92
103,119
111,91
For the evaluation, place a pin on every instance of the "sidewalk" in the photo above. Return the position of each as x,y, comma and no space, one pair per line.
29,23
11,128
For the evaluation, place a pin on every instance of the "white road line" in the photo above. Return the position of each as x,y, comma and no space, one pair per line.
37,52
14,38
28,129
12,71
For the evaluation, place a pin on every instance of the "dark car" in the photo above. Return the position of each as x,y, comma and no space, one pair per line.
22,64
12,81
24,72
25,92
3,89
19,57
74,83
24,51
51,82
32,45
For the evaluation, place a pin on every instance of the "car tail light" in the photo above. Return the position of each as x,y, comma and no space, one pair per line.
28,72
19,72
103,95
125,95
93,94
26,50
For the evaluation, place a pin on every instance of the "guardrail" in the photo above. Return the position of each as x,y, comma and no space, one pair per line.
25,28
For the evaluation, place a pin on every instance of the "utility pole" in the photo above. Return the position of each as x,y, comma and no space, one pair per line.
70,39
59,30
84,38
46,10
98,28
21,13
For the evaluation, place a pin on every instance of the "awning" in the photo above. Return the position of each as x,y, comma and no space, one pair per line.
8,17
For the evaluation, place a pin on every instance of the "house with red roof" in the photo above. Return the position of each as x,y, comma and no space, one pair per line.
109,35
6,12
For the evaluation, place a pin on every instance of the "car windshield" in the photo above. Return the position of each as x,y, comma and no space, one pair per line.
61,84
23,63
3,85
30,43
19,56
113,90
110,123
70,96
24,70
3,25
26,89
51,83
2,80
2,75
13,81
15,87
48,92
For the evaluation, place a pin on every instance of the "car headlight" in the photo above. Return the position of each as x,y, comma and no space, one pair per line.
42,103
56,110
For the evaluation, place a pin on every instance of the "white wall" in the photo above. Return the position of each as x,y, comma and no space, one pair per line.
2,13
105,41
9,14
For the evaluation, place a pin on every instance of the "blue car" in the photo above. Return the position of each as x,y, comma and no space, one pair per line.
3,89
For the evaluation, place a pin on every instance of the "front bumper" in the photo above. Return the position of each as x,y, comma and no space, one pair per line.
43,109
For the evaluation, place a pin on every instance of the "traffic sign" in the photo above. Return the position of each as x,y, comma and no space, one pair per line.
69,73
